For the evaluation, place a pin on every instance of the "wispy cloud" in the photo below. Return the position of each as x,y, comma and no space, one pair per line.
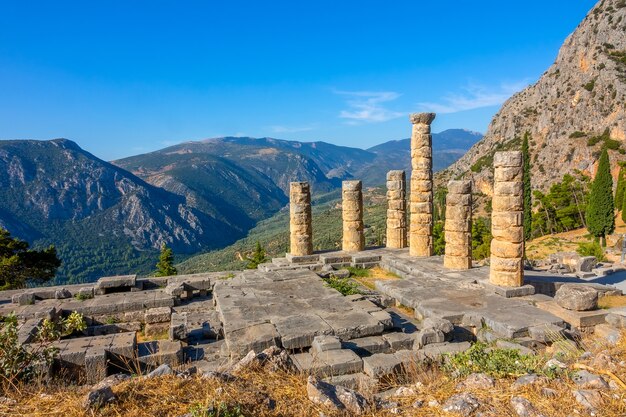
368,106
290,129
474,96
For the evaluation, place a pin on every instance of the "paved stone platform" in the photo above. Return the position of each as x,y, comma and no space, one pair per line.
289,308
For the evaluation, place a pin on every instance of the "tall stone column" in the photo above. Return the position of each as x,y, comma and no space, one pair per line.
507,246
300,228
352,211
458,226
396,210
421,205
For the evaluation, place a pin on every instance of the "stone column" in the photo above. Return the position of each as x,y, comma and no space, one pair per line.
458,226
421,206
300,228
352,211
396,210
507,246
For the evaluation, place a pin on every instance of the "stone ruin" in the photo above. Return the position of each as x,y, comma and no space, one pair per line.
436,305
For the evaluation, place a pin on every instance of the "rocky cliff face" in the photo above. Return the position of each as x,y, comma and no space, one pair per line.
580,97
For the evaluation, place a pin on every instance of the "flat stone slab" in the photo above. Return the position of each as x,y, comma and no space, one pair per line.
510,292
382,365
328,363
121,281
575,318
368,345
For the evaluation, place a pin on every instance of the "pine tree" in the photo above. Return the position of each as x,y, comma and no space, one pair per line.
600,211
624,208
20,265
165,266
528,212
621,185
258,257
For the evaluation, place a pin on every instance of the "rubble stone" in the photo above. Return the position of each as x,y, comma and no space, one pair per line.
577,297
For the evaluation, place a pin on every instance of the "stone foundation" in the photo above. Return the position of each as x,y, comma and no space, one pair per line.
458,226
507,246
421,205
396,210
300,228
352,212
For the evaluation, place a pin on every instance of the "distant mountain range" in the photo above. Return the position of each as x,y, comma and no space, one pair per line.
109,218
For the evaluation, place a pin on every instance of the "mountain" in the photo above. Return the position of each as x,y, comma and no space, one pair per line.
102,219
575,108
448,146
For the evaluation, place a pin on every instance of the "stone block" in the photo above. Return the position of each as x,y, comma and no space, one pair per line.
428,336
577,297
299,331
156,329
158,315
399,341
24,298
507,159
178,326
368,345
256,337
381,365
359,382
324,343
342,361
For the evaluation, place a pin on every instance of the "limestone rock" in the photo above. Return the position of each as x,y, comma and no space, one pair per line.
335,397
588,398
162,370
577,297
464,404
477,381
582,91
102,393
531,379
586,380
524,408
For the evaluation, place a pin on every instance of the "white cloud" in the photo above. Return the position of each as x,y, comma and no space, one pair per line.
474,96
367,106
290,129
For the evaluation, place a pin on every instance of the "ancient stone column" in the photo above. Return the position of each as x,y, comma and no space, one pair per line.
352,210
507,246
396,210
458,226
421,204
301,231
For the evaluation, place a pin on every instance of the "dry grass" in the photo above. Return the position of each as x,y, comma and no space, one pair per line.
375,274
171,396
610,301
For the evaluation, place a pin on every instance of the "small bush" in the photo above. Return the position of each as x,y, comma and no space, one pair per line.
344,285
215,410
591,249
18,362
577,134
589,86
359,272
492,361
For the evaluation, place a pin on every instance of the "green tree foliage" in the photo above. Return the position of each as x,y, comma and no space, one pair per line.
624,207
258,257
621,185
528,211
20,265
481,238
563,207
600,215
439,204
165,266
439,238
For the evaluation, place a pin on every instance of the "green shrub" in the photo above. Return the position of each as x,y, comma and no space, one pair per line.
358,272
591,249
492,361
577,134
589,86
19,362
215,410
344,285
439,238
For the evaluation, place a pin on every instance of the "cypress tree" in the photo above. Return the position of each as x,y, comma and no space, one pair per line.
165,266
621,185
624,208
258,257
600,211
528,213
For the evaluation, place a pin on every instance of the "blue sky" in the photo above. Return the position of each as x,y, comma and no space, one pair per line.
127,77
